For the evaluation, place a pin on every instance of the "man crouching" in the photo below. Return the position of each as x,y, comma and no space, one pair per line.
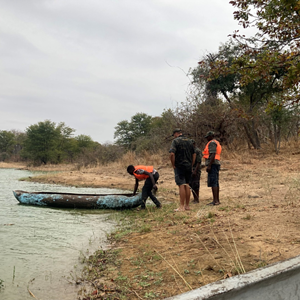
150,175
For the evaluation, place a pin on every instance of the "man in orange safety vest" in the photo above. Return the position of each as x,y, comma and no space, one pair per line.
212,155
150,175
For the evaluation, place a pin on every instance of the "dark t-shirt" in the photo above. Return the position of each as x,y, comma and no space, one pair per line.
198,160
183,149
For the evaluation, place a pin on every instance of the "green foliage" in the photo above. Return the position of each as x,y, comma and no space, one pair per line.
145,228
221,75
128,132
281,120
250,73
145,133
65,144
210,215
84,141
165,123
46,142
275,46
123,134
7,142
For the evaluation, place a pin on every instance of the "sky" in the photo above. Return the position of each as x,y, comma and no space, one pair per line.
94,63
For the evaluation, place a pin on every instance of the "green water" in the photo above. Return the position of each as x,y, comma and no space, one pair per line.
40,247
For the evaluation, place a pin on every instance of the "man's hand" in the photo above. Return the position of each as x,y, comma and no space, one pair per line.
155,187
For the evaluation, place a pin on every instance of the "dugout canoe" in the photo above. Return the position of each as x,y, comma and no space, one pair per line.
87,201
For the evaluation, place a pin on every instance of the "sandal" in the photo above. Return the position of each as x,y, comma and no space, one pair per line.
213,203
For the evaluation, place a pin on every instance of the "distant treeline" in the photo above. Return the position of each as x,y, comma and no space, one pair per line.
47,142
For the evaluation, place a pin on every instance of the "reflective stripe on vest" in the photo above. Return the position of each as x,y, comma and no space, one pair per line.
149,169
218,151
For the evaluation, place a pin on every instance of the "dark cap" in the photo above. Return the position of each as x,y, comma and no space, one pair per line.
193,141
210,133
176,130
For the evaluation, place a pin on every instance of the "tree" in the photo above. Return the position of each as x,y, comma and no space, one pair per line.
84,141
20,138
65,146
161,130
221,77
128,132
7,142
42,142
281,120
275,46
123,134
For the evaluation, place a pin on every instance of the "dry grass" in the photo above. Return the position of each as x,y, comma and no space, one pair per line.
162,253
14,165
144,159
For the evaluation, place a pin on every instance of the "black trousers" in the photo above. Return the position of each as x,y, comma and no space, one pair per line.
147,191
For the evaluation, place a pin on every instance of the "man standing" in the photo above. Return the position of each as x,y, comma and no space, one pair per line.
150,175
195,179
182,156
212,154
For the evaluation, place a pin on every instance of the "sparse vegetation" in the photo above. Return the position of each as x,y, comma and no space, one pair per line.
248,217
160,253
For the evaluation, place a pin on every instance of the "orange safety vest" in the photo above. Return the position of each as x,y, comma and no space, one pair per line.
149,169
218,152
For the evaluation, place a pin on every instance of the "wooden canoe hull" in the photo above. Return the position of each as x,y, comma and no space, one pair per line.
87,201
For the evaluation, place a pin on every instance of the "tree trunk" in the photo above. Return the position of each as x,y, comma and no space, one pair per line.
251,134
277,137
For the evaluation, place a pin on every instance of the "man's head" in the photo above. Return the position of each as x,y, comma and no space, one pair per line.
193,142
130,169
210,135
177,132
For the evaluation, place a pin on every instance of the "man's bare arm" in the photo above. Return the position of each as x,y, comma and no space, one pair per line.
135,186
172,159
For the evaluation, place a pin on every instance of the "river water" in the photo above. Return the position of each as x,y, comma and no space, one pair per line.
40,247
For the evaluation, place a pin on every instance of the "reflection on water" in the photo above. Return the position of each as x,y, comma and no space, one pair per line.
40,246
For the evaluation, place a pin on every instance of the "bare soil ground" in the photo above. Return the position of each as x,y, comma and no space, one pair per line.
163,253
